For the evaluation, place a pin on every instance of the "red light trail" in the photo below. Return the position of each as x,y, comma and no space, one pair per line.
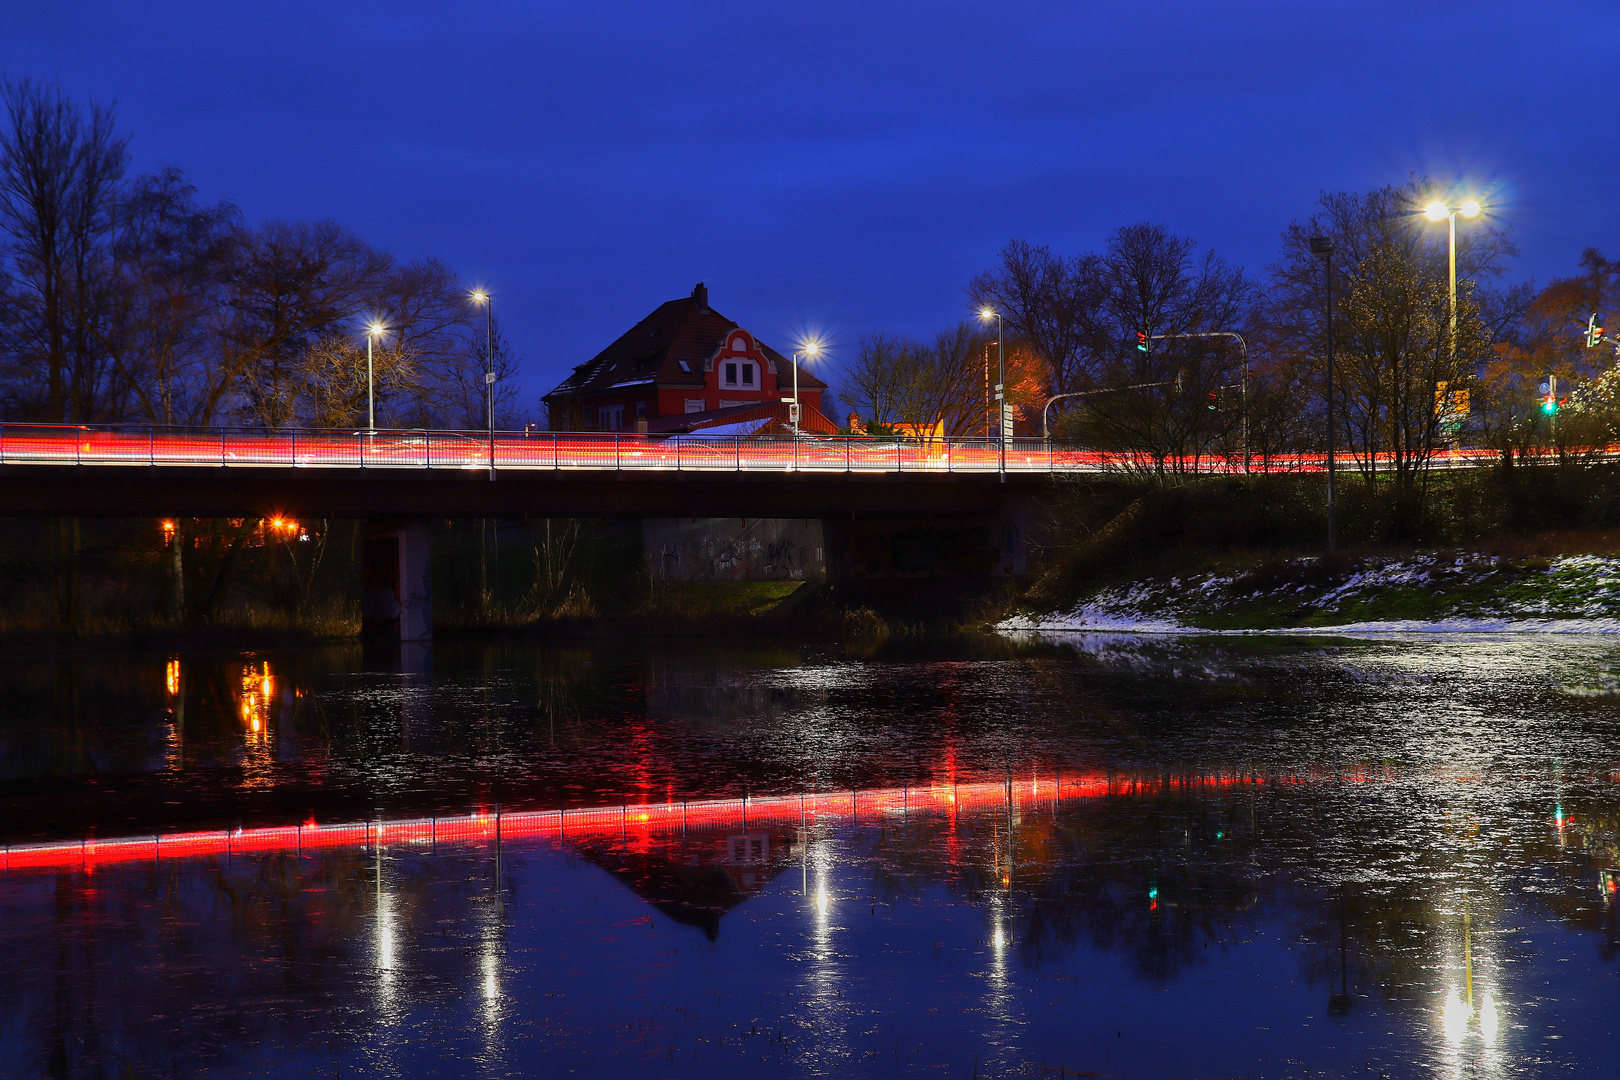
34,444
669,818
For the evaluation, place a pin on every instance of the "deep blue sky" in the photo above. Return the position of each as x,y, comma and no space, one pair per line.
838,166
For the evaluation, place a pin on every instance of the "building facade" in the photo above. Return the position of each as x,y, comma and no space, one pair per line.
684,367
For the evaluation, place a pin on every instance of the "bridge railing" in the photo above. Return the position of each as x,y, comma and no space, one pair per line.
41,444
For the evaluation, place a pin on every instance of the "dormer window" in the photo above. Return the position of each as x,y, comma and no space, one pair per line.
739,373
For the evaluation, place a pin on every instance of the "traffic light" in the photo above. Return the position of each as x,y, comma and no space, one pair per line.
1594,332
1214,400
1141,341
1549,395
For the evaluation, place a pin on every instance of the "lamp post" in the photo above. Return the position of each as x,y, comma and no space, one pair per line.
1323,245
1437,211
373,330
986,314
810,350
479,296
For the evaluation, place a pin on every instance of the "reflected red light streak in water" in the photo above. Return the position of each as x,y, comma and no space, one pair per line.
668,818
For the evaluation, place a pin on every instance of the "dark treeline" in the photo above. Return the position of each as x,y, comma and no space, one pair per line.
1406,385
124,298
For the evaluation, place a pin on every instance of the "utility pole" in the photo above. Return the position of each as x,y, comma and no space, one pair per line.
1323,245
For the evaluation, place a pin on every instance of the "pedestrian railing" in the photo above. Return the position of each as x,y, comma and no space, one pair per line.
38,444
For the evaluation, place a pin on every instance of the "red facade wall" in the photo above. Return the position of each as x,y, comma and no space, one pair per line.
738,348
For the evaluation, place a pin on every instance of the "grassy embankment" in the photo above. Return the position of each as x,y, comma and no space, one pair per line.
1497,546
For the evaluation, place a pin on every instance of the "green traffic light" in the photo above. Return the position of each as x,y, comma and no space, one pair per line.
1549,406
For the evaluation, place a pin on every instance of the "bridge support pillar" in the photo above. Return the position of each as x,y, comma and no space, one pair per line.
396,598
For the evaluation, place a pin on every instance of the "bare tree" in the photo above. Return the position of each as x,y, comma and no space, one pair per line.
1392,338
171,260
1187,398
1054,304
61,170
294,284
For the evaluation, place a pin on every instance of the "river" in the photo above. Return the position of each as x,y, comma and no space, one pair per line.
1096,855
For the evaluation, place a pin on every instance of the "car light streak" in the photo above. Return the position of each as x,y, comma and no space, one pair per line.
39,444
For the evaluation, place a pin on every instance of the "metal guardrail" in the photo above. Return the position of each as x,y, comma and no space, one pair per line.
38,444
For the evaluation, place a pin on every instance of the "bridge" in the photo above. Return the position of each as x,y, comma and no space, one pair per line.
397,481
249,472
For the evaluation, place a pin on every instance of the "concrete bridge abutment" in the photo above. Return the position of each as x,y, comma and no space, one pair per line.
396,593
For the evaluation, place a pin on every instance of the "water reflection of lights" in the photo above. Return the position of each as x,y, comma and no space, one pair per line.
171,677
822,902
809,810
1454,1017
1488,1020
258,694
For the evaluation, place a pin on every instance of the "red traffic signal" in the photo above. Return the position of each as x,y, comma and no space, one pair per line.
1141,341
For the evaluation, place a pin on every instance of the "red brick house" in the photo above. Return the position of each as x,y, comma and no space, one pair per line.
684,367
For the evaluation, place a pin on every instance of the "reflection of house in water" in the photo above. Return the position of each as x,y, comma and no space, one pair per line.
695,879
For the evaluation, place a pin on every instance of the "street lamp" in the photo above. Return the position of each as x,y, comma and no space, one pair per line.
810,350
987,313
373,330
479,296
1439,211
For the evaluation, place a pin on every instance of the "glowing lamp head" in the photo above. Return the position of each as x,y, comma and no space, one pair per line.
1435,211
479,296
375,328
987,313
1470,208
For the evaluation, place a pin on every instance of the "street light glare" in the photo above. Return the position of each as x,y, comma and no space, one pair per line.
479,296
375,328
1470,208
987,313
812,347
1435,211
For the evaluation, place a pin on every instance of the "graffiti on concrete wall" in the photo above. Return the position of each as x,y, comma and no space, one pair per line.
733,549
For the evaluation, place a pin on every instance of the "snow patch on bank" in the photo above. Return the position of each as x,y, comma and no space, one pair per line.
1576,594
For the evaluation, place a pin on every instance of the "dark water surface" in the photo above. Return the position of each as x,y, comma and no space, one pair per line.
1108,856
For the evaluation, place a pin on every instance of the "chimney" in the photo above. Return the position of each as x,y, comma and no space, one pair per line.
700,297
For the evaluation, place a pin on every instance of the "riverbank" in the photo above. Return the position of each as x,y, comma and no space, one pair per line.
1439,592
773,609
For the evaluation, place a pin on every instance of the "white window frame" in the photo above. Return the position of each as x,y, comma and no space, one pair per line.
610,418
696,405
738,383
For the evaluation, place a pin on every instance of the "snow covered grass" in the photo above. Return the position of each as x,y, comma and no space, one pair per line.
1424,593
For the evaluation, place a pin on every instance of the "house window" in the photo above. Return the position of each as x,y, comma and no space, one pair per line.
641,410
610,418
740,374
685,366
694,405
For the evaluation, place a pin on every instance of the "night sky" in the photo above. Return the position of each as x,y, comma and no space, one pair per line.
838,166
